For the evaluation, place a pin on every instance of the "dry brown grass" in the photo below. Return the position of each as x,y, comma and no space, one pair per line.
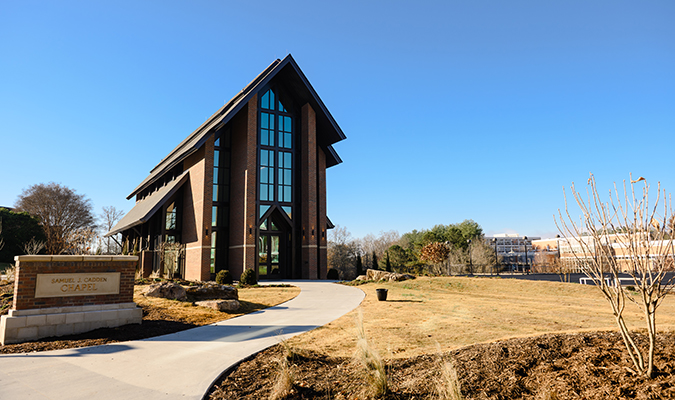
251,299
459,311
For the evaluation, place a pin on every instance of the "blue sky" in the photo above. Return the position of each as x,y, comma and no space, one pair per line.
452,109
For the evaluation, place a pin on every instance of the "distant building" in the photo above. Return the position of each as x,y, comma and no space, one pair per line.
576,252
247,189
512,249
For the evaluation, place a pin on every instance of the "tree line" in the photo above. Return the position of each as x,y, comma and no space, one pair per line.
444,249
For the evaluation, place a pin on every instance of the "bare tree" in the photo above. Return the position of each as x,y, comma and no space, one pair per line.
109,217
643,246
63,214
342,252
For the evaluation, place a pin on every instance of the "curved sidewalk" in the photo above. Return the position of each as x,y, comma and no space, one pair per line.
181,365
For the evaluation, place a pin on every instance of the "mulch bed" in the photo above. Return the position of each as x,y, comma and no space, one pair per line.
155,323
557,366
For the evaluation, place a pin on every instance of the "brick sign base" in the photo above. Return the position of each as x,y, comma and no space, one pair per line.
64,295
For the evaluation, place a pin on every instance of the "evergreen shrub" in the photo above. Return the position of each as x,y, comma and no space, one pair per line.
224,277
248,278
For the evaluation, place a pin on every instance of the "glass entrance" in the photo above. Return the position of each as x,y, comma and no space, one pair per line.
268,256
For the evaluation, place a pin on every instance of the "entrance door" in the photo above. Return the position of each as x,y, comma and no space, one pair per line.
269,257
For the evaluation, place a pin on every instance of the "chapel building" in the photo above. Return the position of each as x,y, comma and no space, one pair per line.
247,189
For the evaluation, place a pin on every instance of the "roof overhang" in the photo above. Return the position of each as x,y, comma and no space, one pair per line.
146,208
289,72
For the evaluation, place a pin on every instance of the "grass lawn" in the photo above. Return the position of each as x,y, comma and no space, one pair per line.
459,311
250,299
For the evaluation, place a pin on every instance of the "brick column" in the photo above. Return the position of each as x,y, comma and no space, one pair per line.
243,187
309,221
321,217
197,202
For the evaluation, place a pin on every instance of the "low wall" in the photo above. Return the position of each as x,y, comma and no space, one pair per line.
63,295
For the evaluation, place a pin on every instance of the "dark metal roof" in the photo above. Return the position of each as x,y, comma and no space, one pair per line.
146,208
287,70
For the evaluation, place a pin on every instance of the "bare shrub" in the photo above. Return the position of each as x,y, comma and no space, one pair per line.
10,273
376,374
626,232
447,384
284,382
33,246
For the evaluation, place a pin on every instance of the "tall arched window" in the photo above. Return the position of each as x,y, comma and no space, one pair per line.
275,157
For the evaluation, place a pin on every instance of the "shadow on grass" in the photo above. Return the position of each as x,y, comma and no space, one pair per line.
405,301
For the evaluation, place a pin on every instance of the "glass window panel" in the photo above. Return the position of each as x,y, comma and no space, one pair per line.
271,120
264,121
263,192
215,192
217,142
280,194
288,210
287,124
287,177
271,103
265,102
215,175
271,139
274,253
213,239
263,210
287,160
273,226
213,261
216,157
287,194
263,174
214,218
263,246
288,141
263,225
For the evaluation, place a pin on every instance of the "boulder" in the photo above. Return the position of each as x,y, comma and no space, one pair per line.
212,290
165,290
361,278
219,305
400,277
377,275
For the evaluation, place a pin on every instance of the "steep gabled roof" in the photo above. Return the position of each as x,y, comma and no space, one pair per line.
328,131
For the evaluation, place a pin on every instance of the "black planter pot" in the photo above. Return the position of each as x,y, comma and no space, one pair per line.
381,294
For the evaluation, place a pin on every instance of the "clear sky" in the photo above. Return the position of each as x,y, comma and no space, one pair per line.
452,109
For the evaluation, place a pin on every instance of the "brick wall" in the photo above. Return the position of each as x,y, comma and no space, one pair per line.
27,268
197,195
309,223
321,217
243,187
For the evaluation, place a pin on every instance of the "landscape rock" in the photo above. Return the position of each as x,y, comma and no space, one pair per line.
165,290
220,305
377,275
212,290
361,278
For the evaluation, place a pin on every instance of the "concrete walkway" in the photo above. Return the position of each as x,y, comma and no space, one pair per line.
181,365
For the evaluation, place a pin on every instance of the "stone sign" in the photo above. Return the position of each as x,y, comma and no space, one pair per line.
87,284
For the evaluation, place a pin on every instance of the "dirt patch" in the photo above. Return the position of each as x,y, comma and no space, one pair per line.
590,366
160,317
